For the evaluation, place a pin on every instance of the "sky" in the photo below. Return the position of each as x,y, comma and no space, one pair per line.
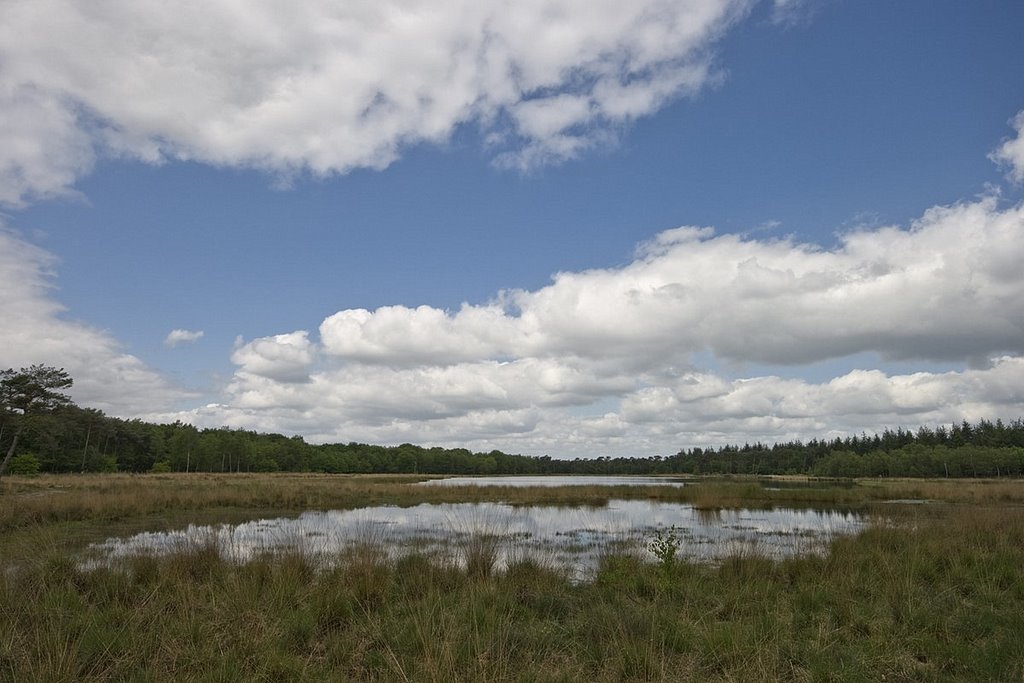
568,227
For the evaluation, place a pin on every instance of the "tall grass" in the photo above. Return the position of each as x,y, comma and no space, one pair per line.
930,597
926,593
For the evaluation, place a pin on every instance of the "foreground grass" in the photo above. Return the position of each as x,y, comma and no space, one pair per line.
927,593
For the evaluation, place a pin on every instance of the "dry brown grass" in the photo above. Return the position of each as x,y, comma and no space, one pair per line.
118,496
1002,491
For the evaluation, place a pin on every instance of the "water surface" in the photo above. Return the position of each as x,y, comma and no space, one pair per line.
571,537
555,480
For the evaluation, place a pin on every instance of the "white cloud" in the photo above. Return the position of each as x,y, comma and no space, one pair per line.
948,288
282,358
607,361
1011,153
598,361
793,12
42,148
699,408
179,336
332,86
35,331
403,336
770,407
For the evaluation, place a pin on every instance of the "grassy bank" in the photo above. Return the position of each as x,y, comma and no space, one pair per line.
927,593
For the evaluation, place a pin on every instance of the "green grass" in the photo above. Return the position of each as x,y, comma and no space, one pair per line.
927,593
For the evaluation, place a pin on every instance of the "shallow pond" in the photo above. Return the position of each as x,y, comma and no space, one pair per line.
571,537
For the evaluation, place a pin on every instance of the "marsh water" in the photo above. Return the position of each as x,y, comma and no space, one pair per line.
551,480
574,538
555,480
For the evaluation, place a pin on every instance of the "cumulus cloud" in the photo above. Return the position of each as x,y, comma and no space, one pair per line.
35,331
698,408
332,86
282,358
613,361
948,288
401,335
1011,153
609,361
179,336
860,399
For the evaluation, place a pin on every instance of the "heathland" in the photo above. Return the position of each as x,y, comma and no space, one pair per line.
931,591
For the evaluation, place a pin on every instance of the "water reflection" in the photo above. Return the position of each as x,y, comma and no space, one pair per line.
555,480
571,537
708,516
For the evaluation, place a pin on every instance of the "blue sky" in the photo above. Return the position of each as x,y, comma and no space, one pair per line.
388,272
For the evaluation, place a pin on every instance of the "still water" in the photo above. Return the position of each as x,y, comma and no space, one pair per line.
555,480
574,538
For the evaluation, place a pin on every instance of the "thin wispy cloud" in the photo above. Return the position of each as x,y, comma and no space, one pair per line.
179,336
794,12
35,330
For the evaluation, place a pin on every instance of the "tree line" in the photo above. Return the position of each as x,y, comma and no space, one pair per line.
983,449
42,430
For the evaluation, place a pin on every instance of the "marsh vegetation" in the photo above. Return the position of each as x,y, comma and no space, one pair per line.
923,592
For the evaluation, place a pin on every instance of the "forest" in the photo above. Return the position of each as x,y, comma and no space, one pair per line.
49,433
